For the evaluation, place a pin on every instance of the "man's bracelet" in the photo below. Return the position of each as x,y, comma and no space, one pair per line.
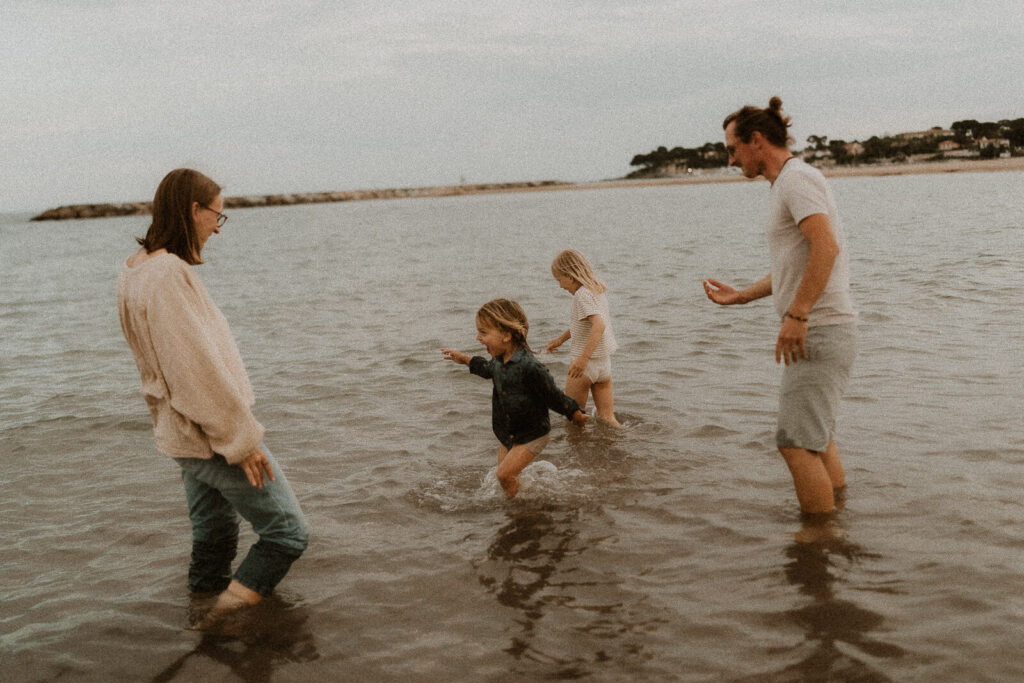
795,317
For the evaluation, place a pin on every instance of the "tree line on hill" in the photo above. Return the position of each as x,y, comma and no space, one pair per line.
968,138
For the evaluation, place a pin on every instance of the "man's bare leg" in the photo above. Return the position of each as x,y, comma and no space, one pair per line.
814,489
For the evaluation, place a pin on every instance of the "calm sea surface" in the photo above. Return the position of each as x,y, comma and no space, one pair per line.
672,551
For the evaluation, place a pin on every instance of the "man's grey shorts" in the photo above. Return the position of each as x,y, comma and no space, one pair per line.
813,387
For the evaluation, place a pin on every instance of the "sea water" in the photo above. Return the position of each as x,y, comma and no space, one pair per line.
670,550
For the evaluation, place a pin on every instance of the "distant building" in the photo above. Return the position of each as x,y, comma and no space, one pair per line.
948,146
961,153
925,134
854,149
1001,143
671,169
812,155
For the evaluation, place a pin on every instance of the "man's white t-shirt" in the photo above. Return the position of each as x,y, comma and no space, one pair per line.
799,191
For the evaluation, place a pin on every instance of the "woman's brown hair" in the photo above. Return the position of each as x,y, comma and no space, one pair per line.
172,227
769,122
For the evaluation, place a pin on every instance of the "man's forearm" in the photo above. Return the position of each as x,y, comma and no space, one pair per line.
758,290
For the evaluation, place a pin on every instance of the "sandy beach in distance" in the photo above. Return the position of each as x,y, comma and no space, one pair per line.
946,166
726,175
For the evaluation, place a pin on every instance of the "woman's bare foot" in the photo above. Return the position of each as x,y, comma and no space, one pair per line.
233,598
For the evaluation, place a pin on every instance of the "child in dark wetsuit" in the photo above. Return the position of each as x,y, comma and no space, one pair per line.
523,392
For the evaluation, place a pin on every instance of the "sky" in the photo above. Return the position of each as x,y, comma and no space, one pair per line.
99,99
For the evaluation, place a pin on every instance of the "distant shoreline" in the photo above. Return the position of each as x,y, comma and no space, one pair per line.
78,211
915,168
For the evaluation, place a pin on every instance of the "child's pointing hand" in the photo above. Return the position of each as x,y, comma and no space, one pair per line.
455,356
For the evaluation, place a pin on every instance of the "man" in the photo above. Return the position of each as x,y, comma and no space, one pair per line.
809,282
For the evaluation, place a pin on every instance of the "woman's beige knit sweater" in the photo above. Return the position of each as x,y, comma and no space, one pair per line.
193,378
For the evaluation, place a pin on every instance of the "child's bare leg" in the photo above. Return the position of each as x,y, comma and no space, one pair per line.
604,402
510,464
578,389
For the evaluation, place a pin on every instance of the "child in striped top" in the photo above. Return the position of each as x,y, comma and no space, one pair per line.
590,328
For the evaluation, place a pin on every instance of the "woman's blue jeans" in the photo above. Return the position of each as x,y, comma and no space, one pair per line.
217,494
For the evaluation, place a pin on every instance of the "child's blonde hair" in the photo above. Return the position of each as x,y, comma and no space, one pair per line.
574,264
508,316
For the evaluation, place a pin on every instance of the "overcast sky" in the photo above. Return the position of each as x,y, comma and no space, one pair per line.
99,99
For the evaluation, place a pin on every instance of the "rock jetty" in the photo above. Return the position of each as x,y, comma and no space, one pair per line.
73,211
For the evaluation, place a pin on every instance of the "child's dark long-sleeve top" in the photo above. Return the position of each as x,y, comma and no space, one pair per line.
523,393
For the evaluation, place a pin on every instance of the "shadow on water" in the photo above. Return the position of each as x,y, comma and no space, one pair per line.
812,563
568,621
251,643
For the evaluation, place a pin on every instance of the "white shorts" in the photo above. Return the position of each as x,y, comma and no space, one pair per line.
598,369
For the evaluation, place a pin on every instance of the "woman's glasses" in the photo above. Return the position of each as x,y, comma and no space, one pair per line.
221,218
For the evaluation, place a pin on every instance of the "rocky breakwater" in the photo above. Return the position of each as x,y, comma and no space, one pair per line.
73,211
94,211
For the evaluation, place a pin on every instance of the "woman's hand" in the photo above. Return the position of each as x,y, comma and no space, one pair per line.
455,356
255,466
580,418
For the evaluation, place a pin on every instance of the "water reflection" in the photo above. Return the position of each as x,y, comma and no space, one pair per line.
251,643
569,620
813,562
528,550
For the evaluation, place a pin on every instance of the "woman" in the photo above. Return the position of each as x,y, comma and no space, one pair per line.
199,395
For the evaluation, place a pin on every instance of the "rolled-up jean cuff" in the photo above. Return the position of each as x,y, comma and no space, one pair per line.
265,565
210,569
